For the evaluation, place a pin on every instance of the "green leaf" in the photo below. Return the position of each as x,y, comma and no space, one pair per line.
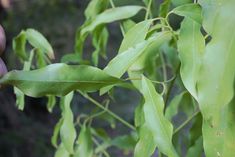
19,94
191,46
51,102
54,138
37,40
67,130
216,79
158,125
180,2
123,61
195,138
146,144
62,152
18,45
85,146
127,25
59,79
126,142
139,114
111,15
192,11
99,41
164,8
135,35
40,59
172,108
95,7
197,149
19,98
71,58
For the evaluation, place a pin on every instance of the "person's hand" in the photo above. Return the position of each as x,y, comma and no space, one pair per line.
3,69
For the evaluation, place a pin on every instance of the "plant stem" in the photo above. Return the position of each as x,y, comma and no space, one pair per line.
171,85
163,66
103,151
121,27
109,112
186,122
148,10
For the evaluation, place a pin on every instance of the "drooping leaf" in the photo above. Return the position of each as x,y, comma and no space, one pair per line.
164,8
195,138
61,151
51,102
191,46
40,59
135,35
139,114
54,138
95,7
19,94
111,15
192,11
108,16
99,41
146,144
125,142
123,61
216,79
37,40
127,25
59,79
196,150
172,108
158,125
85,145
67,130
18,45
19,98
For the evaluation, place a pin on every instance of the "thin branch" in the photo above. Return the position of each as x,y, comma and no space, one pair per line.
186,122
121,27
108,111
